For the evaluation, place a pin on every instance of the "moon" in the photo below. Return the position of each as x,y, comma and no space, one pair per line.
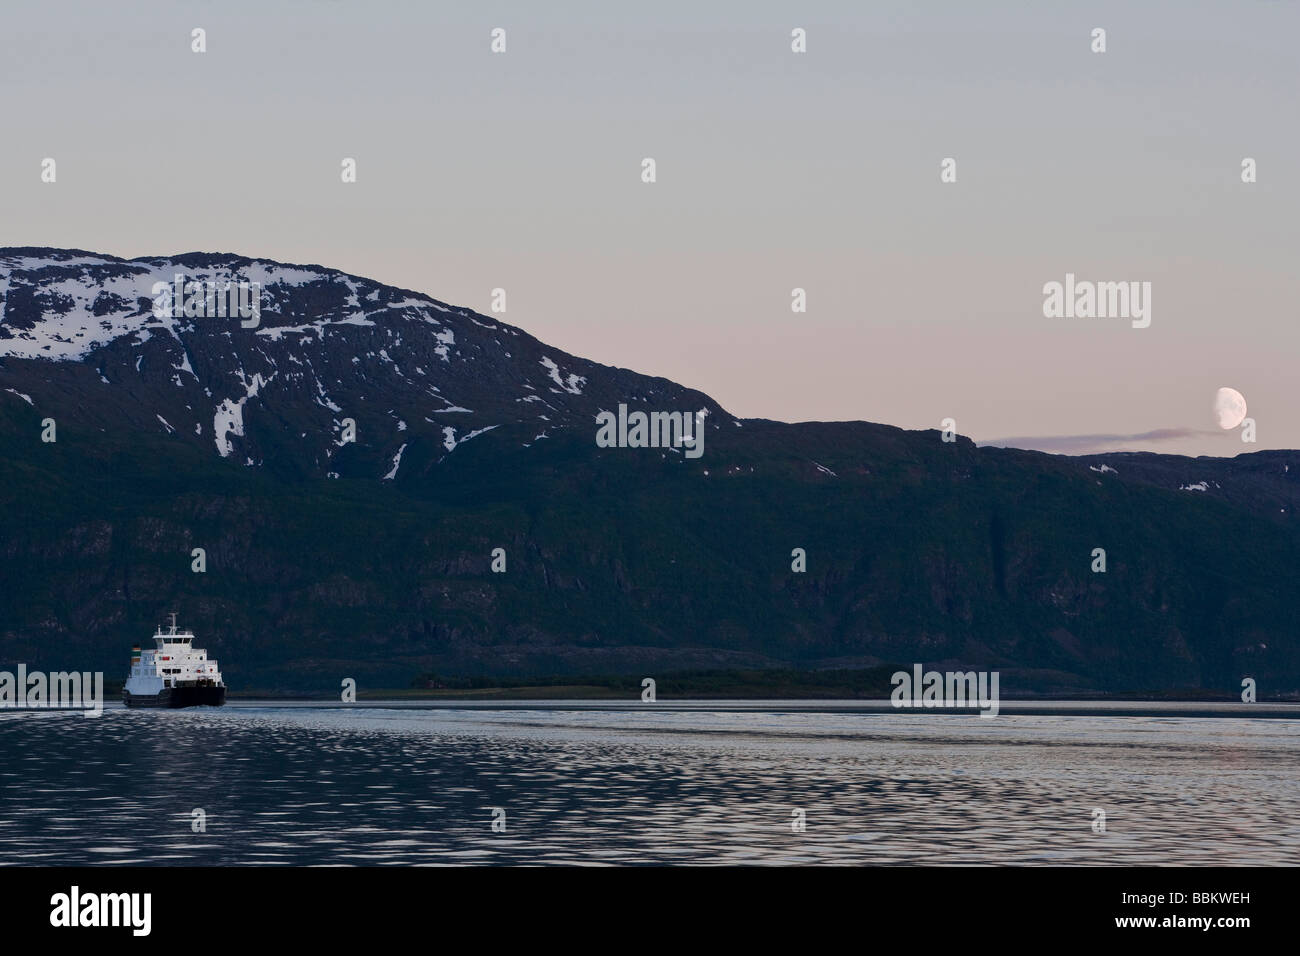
1229,407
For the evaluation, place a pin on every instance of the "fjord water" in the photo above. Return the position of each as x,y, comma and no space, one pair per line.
312,784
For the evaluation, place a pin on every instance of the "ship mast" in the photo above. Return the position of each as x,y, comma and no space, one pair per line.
173,622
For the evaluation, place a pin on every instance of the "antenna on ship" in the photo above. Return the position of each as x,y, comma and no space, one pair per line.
173,622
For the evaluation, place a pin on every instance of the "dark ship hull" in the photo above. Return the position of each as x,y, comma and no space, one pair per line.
195,696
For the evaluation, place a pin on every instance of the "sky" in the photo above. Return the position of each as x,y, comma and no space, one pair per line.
775,170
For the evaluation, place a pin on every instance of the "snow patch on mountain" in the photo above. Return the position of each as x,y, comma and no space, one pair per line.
79,315
269,274
445,339
397,463
108,299
450,441
573,384
229,418
417,304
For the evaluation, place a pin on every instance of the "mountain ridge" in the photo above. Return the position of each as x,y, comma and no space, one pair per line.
372,558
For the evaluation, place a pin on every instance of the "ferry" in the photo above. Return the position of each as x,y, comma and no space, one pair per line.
174,674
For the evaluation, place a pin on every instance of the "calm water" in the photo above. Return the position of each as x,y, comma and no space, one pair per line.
323,785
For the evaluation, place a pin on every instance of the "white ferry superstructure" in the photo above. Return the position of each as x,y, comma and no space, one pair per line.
174,674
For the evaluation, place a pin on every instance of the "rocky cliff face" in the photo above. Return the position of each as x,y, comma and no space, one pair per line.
328,558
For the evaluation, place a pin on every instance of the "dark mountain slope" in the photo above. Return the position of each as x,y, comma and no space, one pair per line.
618,560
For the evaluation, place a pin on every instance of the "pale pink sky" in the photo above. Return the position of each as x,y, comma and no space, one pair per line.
775,170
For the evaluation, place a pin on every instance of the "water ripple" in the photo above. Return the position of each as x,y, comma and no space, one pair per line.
322,786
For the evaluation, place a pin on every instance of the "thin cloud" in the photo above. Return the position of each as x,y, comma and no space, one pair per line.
1083,444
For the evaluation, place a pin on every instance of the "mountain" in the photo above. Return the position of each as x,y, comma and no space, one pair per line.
371,559
410,371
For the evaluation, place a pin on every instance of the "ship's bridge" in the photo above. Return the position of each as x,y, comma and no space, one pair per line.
184,637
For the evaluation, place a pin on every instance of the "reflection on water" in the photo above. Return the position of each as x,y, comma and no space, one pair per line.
320,785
